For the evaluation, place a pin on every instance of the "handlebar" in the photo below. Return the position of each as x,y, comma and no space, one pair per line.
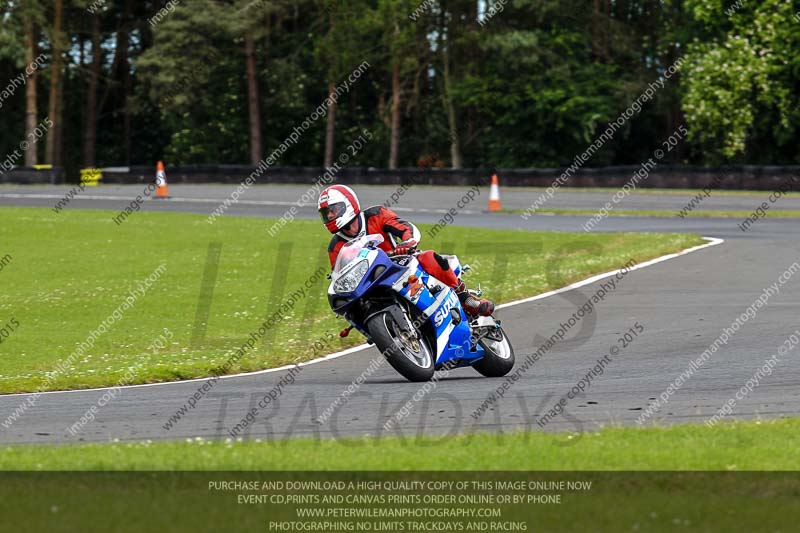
392,253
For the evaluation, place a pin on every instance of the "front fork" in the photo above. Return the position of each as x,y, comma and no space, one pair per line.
400,314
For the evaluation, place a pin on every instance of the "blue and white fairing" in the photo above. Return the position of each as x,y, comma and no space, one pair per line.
362,267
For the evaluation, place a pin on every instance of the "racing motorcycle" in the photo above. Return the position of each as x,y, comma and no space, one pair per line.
415,320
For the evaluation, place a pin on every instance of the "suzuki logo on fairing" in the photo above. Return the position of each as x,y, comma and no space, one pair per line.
442,313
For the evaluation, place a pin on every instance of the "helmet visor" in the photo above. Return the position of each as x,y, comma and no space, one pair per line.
331,212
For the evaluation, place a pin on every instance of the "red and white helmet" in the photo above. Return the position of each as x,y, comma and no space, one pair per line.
338,206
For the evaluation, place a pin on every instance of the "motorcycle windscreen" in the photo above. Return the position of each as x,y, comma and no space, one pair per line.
352,250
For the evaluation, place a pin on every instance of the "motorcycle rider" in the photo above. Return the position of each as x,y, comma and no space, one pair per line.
341,213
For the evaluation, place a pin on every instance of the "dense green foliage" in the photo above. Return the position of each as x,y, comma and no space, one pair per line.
530,85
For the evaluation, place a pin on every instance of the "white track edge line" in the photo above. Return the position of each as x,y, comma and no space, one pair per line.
713,241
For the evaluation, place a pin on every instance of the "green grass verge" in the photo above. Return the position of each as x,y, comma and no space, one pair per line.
768,445
689,192
634,484
69,271
704,213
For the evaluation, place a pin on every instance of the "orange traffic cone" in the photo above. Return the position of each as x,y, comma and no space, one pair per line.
494,195
162,189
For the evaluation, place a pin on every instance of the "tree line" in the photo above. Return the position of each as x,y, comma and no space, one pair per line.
448,83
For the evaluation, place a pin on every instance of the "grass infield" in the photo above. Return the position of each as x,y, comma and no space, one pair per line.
70,271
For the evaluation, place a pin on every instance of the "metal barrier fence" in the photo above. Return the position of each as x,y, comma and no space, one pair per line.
743,177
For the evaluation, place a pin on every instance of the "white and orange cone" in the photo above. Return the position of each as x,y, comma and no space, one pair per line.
162,189
494,195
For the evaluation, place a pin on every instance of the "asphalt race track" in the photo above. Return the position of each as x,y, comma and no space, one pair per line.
684,304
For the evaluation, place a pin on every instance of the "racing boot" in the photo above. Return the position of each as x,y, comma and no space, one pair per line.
473,305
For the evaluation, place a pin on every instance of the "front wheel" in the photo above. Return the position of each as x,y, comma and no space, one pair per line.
407,352
499,358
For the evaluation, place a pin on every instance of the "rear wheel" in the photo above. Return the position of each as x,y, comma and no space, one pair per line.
499,358
407,352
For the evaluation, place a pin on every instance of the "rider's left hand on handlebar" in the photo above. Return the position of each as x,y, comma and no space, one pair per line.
405,247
